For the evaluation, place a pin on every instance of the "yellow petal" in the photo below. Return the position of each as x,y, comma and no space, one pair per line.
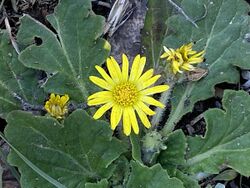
155,89
114,69
116,115
98,101
102,110
64,100
104,75
150,81
143,117
166,50
195,60
133,120
47,106
164,55
100,94
145,108
140,68
147,75
187,67
125,67
135,67
57,98
199,54
152,101
126,122
176,67
52,96
100,82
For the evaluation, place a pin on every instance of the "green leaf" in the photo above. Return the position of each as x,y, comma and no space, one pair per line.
188,181
227,140
155,177
136,147
121,173
33,166
74,152
16,79
173,156
101,184
227,175
70,50
221,33
155,29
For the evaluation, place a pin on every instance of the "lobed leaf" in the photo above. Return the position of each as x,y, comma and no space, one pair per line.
221,33
16,79
227,140
188,181
155,177
173,156
69,49
75,152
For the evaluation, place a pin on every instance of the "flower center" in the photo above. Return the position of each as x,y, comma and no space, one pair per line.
125,94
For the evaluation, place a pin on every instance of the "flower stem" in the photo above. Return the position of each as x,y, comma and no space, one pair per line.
164,100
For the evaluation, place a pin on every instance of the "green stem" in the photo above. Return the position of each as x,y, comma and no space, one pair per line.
176,115
164,100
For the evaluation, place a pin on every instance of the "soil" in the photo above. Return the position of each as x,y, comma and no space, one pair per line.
126,39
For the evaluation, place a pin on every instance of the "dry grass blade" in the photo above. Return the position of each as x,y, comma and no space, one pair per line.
119,13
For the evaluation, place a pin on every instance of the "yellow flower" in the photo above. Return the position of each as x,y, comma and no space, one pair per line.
56,106
126,93
183,58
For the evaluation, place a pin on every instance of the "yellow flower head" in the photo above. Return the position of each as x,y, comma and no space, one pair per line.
183,58
56,106
126,93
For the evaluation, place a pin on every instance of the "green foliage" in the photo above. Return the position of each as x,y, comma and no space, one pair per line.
102,184
154,30
136,149
16,79
70,50
153,177
74,152
221,33
176,149
188,181
227,140
79,151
